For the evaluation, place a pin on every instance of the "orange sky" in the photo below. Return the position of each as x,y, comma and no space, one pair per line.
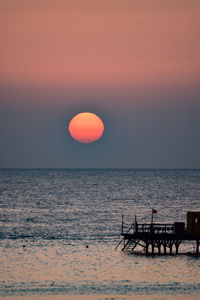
134,63
100,42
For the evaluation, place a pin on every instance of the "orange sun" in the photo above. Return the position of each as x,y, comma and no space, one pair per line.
86,127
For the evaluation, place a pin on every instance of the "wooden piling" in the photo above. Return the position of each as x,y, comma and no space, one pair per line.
177,246
159,246
147,247
165,247
197,247
170,247
152,247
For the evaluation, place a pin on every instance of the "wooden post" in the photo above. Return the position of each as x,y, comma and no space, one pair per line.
152,216
177,245
165,247
152,247
147,247
122,224
170,247
159,245
136,226
197,248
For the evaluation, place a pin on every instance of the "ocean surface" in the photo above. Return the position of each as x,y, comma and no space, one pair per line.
59,229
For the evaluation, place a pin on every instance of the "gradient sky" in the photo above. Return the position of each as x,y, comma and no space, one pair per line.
136,64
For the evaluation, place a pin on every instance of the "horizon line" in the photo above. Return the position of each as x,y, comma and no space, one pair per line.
92,168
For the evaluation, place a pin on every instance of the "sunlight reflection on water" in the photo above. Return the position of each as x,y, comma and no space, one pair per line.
49,217
54,267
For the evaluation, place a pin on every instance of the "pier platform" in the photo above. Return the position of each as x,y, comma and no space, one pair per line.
160,237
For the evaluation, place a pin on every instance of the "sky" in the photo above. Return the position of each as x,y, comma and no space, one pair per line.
136,64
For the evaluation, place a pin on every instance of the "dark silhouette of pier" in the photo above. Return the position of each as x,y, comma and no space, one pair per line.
160,237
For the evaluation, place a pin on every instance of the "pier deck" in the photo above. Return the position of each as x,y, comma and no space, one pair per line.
156,237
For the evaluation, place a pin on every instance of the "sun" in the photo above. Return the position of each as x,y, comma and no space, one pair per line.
86,127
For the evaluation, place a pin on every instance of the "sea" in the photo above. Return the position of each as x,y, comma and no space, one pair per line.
59,229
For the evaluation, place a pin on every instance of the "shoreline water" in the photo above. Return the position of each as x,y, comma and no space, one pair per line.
103,297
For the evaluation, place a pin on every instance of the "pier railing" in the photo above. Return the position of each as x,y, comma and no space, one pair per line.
153,228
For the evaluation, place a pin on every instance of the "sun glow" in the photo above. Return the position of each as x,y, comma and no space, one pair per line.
86,127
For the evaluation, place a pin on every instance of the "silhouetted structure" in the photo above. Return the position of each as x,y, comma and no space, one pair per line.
161,237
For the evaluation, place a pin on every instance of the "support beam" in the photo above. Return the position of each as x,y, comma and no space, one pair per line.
177,245
152,247
170,247
159,245
147,247
125,244
165,247
197,248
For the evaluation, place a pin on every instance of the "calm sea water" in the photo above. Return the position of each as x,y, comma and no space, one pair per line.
59,229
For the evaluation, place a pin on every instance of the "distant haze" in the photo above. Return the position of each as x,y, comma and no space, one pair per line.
136,64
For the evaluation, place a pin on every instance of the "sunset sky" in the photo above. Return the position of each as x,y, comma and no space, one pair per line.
136,64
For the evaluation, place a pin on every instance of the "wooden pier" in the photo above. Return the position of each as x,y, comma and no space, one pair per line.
161,238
